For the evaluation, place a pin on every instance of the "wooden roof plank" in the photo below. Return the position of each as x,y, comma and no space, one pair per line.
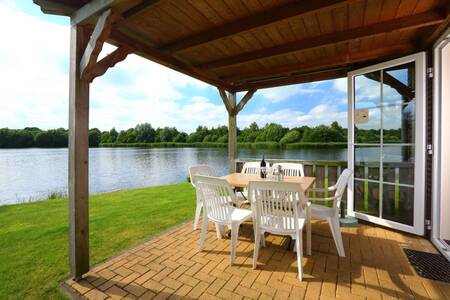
247,23
338,60
415,21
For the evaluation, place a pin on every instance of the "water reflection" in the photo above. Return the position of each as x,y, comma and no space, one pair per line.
30,174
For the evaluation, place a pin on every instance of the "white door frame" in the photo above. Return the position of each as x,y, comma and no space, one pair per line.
420,144
437,115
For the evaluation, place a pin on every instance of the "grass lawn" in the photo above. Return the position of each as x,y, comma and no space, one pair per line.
33,236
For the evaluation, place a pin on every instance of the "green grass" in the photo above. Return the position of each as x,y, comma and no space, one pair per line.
33,236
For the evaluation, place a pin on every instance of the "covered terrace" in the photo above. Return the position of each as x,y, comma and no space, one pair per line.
241,46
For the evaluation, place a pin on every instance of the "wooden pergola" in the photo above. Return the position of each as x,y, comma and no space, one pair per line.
234,45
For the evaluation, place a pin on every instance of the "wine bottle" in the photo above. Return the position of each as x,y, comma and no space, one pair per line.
263,168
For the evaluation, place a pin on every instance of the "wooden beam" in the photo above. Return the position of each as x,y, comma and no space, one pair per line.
99,36
225,100
400,87
78,158
300,78
245,99
232,134
410,22
328,62
90,9
109,61
146,51
296,8
429,40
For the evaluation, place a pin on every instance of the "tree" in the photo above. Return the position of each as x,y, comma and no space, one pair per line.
274,132
144,133
180,138
94,137
113,135
292,136
167,134
105,137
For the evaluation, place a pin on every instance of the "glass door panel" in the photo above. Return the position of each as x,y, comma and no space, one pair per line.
383,142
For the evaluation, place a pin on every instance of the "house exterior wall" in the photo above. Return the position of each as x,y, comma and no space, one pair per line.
445,157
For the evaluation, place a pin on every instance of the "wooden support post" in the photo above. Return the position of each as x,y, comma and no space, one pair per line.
78,157
233,109
232,133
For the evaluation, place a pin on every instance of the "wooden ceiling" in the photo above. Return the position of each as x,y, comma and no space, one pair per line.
246,44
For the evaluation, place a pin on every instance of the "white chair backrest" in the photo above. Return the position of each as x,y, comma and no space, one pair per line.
290,169
252,167
217,197
199,170
273,204
340,185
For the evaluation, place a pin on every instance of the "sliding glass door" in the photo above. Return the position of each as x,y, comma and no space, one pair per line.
387,143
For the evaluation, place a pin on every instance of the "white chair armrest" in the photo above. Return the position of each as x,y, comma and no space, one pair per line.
329,189
322,199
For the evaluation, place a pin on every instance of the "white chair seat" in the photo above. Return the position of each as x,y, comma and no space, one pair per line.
240,215
322,211
280,228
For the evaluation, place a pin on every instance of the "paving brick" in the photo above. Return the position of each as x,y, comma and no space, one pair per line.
115,292
171,267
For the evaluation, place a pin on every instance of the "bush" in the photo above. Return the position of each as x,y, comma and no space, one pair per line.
291,137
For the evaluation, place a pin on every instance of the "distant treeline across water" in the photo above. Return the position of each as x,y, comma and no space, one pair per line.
144,135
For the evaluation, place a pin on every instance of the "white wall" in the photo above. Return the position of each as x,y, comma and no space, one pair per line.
445,157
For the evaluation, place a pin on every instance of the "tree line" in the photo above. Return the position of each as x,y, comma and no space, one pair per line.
145,133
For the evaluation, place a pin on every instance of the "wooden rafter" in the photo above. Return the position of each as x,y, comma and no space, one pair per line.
297,8
333,61
226,101
300,78
90,9
415,21
235,109
245,99
99,36
109,61
429,40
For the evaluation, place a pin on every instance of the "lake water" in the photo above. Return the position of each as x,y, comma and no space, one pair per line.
31,174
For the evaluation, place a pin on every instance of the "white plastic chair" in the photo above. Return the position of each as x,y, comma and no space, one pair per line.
193,171
218,197
290,169
331,214
280,208
253,167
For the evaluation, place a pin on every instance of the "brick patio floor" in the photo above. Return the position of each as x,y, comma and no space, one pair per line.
171,266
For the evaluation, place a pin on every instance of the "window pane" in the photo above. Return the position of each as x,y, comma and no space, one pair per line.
398,164
398,204
398,123
366,197
367,162
367,125
367,90
399,84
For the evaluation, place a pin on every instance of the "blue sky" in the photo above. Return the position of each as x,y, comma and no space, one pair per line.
34,66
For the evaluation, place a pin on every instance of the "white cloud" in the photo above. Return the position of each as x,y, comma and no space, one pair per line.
280,94
340,84
34,84
35,90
